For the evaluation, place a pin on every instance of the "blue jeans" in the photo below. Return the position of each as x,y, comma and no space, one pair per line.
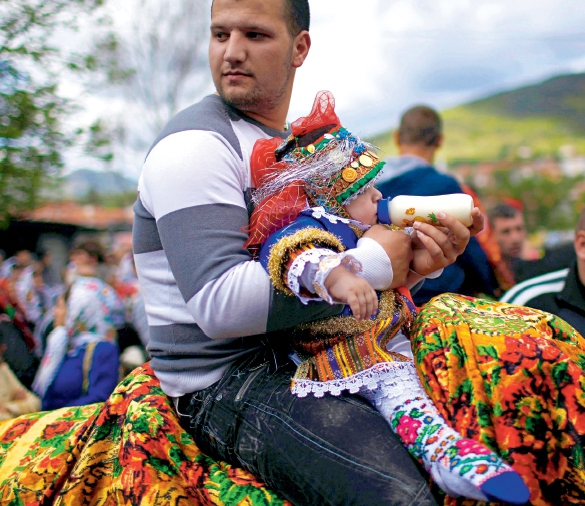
325,451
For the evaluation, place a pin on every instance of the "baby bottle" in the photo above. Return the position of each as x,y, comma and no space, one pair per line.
403,210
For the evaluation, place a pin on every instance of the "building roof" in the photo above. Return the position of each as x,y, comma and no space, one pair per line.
89,216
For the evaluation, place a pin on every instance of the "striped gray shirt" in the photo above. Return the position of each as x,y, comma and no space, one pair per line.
207,302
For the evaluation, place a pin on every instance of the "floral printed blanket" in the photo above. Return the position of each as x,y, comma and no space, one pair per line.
130,450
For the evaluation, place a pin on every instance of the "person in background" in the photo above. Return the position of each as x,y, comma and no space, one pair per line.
561,292
86,256
22,257
81,360
418,138
15,398
509,229
17,333
26,291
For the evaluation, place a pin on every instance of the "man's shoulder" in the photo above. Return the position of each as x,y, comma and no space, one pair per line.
424,180
539,289
211,114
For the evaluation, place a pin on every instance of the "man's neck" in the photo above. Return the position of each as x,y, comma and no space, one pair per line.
272,120
427,153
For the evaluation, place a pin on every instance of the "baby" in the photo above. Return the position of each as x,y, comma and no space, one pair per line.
316,199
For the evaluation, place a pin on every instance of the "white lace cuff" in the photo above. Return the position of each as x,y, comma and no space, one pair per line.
301,264
310,270
326,265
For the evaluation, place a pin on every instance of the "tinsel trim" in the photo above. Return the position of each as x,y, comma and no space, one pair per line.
349,325
281,252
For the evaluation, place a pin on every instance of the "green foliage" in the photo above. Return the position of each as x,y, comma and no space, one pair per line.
473,135
32,111
549,203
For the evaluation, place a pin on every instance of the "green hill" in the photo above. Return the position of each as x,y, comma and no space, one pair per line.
543,116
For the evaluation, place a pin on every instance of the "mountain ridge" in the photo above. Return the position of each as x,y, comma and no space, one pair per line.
543,117
80,183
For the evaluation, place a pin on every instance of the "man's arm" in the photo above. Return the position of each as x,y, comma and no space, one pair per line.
193,187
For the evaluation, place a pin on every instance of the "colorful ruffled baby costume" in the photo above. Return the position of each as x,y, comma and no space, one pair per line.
300,231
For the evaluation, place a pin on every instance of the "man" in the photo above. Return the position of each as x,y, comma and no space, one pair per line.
216,337
508,226
509,230
418,137
560,292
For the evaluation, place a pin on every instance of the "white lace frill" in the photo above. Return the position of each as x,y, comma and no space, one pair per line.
394,378
314,256
319,212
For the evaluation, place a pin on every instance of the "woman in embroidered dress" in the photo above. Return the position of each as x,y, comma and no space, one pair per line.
81,361
316,198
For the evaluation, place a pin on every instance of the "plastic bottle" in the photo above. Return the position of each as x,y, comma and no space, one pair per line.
403,210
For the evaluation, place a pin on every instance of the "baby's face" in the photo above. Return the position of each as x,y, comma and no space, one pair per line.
364,208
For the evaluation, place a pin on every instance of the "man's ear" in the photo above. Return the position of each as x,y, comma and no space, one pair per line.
440,141
301,46
580,245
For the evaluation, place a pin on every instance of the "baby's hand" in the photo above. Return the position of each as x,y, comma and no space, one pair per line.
346,287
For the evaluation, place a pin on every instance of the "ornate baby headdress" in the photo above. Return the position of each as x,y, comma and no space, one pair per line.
319,164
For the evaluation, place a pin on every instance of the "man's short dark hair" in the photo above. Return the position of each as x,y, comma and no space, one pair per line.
505,211
420,125
298,15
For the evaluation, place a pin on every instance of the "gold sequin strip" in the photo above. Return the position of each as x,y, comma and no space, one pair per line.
348,325
281,252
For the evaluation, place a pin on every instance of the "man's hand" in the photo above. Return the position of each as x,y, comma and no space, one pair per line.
350,289
478,222
398,247
19,395
438,247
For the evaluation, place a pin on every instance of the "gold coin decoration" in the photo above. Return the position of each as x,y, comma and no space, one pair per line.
311,148
366,161
349,175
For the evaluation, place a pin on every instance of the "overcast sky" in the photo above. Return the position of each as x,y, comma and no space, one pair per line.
379,57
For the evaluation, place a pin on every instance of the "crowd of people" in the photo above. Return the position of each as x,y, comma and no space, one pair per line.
66,338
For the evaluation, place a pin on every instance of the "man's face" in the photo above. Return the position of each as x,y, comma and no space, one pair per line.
364,208
510,234
251,53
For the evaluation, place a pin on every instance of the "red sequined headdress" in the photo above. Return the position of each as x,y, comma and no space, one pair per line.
319,164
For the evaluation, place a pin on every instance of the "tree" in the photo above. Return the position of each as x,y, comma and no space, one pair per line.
162,56
33,130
